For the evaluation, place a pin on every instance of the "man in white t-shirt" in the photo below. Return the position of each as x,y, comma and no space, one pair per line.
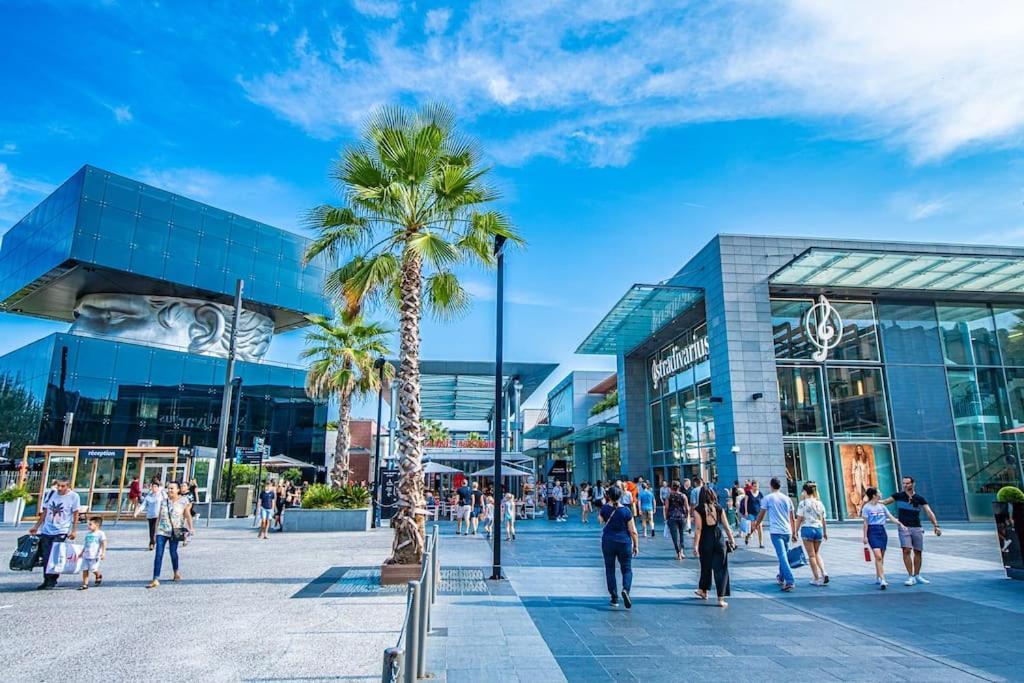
58,522
779,509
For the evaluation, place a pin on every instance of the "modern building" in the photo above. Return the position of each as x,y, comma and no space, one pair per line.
850,363
146,280
576,437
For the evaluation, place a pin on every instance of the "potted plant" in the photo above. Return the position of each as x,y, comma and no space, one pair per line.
327,508
1008,512
15,499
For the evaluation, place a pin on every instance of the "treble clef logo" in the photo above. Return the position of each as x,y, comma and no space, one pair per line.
824,328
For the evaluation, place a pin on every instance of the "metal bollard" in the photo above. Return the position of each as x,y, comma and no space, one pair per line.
392,670
423,627
412,635
427,590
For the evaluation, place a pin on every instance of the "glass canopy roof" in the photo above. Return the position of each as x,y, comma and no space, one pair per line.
641,312
864,269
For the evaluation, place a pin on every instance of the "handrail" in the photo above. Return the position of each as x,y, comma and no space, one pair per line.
408,663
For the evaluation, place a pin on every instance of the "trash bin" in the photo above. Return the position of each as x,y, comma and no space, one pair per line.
244,497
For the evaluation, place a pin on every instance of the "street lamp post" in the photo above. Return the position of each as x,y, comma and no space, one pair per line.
375,512
499,389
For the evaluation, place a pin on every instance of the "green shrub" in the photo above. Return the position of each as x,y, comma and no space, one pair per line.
14,493
1010,494
323,497
241,475
292,474
609,401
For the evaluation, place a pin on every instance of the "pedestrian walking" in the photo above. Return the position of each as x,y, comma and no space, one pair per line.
779,509
174,523
134,494
463,496
685,490
619,542
754,501
558,493
584,502
909,504
477,501
94,551
151,506
663,493
598,495
268,501
625,497
646,503
508,513
282,494
58,522
712,543
876,538
813,530
487,516
677,511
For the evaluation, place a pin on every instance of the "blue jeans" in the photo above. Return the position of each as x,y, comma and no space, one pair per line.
781,544
623,552
158,559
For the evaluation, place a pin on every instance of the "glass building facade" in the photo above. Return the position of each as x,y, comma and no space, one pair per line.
132,378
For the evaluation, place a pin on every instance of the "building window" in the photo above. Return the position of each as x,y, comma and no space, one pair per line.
1010,332
809,461
800,401
968,334
980,404
788,329
149,408
859,340
987,468
857,402
657,434
861,466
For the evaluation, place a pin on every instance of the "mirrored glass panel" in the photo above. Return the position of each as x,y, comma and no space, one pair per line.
968,334
801,401
788,328
809,461
1010,332
987,468
857,402
980,403
859,340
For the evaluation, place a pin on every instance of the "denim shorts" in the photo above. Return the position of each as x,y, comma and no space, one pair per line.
811,533
266,513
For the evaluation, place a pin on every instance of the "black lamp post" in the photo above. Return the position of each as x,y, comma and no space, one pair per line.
499,243
375,503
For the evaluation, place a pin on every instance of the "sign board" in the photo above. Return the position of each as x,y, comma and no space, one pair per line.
679,358
388,491
557,469
101,453
4,448
147,443
184,451
247,456
257,443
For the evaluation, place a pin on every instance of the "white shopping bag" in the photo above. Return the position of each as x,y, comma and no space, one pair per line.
665,531
65,558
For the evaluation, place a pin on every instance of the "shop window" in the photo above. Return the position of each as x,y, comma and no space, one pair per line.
910,333
980,404
859,467
968,335
705,414
788,328
857,402
987,468
800,401
675,423
149,407
809,461
1015,395
657,435
1010,332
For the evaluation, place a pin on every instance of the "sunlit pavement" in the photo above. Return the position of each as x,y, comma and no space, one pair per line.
964,625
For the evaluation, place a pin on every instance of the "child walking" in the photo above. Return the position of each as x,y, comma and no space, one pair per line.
488,516
508,513
93,552
875,536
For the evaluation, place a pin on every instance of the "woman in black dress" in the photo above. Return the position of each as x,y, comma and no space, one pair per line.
712,542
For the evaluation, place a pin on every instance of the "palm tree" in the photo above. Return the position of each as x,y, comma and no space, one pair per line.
341,366
413,208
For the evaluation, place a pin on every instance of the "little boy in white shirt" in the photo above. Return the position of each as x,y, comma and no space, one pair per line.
93,552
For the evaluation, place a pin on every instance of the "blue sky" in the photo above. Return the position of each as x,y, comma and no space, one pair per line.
624,135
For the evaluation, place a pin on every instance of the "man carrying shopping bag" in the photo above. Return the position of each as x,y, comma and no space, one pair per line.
58,521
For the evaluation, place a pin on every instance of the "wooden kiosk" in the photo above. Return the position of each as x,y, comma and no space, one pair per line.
102,475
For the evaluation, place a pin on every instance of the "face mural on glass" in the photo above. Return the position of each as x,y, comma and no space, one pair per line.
859,473
194,325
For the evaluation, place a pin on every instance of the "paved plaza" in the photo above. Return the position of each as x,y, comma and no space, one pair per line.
302,607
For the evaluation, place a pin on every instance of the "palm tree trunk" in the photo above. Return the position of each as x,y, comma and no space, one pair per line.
409,521
342,446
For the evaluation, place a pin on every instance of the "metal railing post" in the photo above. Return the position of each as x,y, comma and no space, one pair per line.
436,569
412,635
423,627
392,665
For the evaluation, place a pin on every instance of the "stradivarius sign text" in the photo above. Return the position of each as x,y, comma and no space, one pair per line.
681,358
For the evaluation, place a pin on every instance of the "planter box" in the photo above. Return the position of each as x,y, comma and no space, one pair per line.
1009,519
298,519
13,511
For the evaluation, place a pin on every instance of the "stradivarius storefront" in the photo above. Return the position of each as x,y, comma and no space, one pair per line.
847,363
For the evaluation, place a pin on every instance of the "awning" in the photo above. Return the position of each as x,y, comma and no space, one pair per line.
469,455
285,461
594,432
641,312
875,270
546,432
438,468
505,472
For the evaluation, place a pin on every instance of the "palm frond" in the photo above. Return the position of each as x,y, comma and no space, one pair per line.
444,297
434,249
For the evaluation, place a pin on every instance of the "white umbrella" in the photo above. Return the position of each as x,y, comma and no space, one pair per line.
438,468
507,471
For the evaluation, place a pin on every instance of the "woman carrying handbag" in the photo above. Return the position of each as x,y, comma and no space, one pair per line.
712,543
174,523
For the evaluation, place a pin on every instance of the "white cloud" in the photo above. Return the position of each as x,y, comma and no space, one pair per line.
269,27
260,197
8,148
384,9
436,20
122,114
593,79
18,195
927,208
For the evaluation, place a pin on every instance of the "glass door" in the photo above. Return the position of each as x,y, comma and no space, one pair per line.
106,485
58,467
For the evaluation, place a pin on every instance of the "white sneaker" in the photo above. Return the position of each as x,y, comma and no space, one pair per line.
816,582
882,585
910,582
921,579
